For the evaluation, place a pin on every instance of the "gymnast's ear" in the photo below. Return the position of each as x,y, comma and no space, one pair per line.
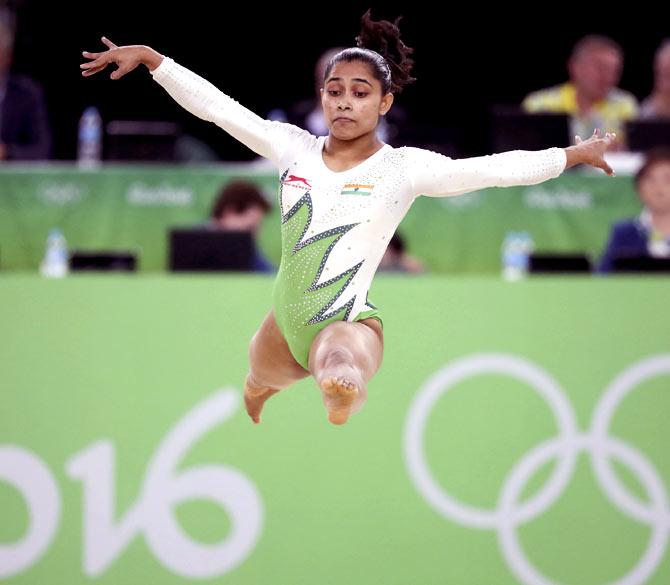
385,104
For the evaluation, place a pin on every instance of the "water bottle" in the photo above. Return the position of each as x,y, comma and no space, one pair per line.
516,250
89,147
55,262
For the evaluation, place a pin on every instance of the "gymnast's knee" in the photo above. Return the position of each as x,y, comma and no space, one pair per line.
254,381
338,354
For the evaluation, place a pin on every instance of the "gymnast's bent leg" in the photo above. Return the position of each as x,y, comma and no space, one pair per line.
272,367
343,358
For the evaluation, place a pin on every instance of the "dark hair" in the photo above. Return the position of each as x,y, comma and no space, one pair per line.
654,156
397,243
378,44
238,196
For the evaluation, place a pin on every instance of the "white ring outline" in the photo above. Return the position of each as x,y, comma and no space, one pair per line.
621,386
567,445
439,384
542,454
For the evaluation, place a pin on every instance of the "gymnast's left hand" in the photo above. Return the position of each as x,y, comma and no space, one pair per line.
126,58
591,151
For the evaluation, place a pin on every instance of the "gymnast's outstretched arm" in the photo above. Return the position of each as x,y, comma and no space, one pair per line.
267,138
436,175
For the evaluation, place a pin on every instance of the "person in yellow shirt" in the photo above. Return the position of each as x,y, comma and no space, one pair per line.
591,97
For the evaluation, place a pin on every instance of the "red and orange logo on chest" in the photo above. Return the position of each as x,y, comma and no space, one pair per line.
296,181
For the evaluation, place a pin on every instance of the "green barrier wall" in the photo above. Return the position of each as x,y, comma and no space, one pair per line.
516,433
132,207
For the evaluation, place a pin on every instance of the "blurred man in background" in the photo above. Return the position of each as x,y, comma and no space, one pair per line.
24,124
591,97
657,105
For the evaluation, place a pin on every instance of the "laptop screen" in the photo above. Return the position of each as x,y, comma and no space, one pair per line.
641,264
207,250
644,135
512,129
549,263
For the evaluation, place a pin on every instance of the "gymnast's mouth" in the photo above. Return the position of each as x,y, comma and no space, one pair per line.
343,119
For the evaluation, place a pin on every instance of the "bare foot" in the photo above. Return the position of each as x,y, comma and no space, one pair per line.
339,394
255,397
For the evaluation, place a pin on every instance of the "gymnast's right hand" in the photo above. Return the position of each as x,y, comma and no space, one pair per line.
127,58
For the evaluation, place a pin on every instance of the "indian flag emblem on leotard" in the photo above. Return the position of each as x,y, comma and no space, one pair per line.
356,189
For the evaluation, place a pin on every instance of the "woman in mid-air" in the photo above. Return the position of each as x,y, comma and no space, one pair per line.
341,198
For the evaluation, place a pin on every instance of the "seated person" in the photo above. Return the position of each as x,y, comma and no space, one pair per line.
649,234
240,206
657,105
396,259
24,125
591,97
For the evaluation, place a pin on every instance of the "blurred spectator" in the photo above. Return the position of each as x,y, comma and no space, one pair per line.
657,105
24,125
308,113
396,259
649,234
591,97
240,206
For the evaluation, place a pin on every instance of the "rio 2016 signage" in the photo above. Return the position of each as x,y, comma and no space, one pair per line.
108,532
152,514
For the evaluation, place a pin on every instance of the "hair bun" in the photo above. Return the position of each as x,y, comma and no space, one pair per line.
383,37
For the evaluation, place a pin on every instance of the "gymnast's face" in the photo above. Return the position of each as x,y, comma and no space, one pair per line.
352,100
654,187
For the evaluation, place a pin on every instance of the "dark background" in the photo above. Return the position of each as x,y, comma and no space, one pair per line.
467,56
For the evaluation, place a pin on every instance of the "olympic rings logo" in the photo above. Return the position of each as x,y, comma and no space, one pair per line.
565,447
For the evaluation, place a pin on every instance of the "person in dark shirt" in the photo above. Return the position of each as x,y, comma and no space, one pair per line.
24,124
647,235
240,206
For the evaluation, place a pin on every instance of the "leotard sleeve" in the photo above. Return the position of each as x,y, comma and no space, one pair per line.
436,175
267,138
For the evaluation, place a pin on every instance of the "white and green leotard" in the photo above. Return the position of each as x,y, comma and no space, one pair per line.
337,225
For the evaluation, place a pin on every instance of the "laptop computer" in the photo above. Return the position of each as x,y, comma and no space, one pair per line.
641,264
208,250
514,129
102,261
145,141
644,135
548,263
